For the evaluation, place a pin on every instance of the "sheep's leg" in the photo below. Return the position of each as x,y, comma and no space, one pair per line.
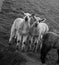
24,38
44,51
18,41
43,54
38,42
12,34
58,56
31,43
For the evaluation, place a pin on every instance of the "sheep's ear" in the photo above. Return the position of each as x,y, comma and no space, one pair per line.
23,12
42,20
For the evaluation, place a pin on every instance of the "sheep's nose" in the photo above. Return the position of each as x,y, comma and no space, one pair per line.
26,18
36,24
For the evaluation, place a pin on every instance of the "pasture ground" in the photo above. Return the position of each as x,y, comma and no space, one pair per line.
10,10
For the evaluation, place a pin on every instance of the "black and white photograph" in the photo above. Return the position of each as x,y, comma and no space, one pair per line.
29,32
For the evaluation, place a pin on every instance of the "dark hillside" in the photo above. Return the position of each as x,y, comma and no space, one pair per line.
11,9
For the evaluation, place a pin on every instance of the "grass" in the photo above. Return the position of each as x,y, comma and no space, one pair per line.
10,10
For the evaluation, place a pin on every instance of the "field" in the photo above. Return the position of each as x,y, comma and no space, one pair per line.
10,10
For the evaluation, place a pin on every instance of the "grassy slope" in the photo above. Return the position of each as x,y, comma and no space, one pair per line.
11,9
1,1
